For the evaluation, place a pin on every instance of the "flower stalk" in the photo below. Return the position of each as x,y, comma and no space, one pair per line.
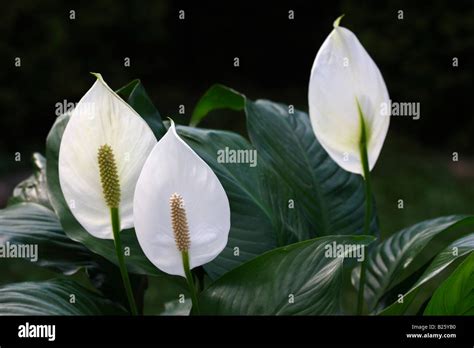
179,223
190,281
115,216
368,208
111,189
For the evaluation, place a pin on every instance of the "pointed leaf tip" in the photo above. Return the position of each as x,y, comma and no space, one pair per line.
337,21
98,75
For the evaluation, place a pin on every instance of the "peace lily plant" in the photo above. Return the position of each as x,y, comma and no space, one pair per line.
181,211
256,237
346,95
103,149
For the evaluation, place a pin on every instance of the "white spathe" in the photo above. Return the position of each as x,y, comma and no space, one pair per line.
102,117
343,75
173,167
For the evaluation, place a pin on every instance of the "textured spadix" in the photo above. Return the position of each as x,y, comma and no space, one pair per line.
179,203
344,75
102,120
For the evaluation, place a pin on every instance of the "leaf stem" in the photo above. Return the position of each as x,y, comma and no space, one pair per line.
368,209
114,213
190,281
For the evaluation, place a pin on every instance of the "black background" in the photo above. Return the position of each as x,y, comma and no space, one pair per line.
347,330
177,60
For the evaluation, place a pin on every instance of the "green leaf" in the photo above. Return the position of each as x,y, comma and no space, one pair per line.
268,284
327,199
106,278
251,229
52,297
32,224
455,296
170,290
305,193
436,271
216,97
393,260
136,262
135,95
34,188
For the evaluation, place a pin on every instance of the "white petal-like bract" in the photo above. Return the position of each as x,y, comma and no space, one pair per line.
173,167
102,118
344,75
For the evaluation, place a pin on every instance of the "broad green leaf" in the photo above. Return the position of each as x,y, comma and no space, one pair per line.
218,96
170,294
298,279
436,271
34,188
106,277
52,297
32,224
135,95
308,193
251,229
327,199
455,296
36,226
393,260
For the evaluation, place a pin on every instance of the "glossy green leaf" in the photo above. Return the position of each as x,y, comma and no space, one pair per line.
327,199
32,224
436,272
393,260
52,297
455,296
251,229
34,188
170,293
298,279
308,193
218,96
106,277
135,95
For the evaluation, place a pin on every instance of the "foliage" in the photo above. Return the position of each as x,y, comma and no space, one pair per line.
285,211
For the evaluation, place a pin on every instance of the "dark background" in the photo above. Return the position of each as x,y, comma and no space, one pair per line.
177,60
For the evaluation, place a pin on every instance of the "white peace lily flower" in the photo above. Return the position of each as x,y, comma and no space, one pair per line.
347,90
102,152
181,210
